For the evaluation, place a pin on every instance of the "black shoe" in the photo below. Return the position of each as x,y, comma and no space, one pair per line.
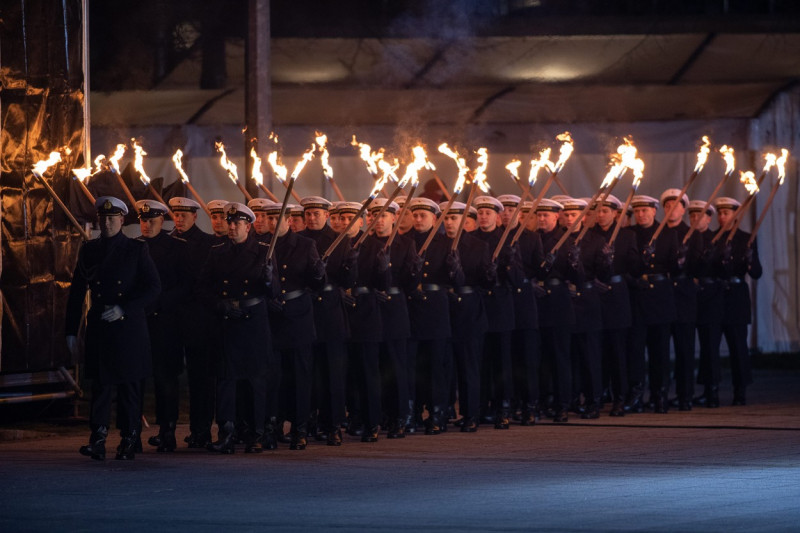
592,412
198,440
699,401
561,416
684,405
712,398
397,430
226,440
127,447
501,422
268,441
739,397
431,424
371,435
618,409
96,449
528,415
155,440
675,402
469,425
166,438
299,441
334,437
254,443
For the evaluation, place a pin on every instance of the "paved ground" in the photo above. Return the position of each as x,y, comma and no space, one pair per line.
727,469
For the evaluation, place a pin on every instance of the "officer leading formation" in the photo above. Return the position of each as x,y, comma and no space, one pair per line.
398,329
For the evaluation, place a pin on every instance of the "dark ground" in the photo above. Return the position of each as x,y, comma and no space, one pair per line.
727,469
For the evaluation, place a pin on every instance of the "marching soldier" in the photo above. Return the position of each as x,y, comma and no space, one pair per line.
653,305
297,222
735,260
260,229
236,281
615,298
194,322
162,319
219,222
123,282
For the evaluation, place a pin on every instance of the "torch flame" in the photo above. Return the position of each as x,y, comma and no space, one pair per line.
370,158
138,161
176,158
479,176
256,174
322,141
624,159
749,181
41,167
277,167
419,162
565,151
388,169
770,160
513,168
781,163
307,156
638,172
114,159
702,155
463,169
82,173
730,161
538,164
226,163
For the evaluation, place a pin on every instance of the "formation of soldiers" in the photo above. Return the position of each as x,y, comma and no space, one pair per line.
397,332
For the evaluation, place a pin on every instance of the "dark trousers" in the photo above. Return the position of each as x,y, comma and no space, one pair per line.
467,355
129,411
654,339
556,355
202,388
736,339
709,365
394,374
683,341
497,360
430,385
297,375
368,381
586,354
614,347
167,395
525,364
330,376
256,393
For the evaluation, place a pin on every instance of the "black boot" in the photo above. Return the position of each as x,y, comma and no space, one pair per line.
617,409
408,420
371,434
501,415
739,396
269,441
432,422
528,415
469,424
127,447
635,404
198,440
299,440
712,397
166,438
334,437
660,401
592,410
96,449
397,430
253,441
225,439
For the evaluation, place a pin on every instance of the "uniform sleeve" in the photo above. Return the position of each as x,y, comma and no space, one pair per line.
77,295
754,266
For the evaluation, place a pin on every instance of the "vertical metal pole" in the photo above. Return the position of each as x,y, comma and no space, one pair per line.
258,86
87,136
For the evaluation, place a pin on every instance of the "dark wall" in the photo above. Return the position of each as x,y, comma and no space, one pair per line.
41,110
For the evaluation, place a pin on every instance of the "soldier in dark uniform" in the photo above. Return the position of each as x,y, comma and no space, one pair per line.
404,264
710,308
219,222
556,314
685,290
330,355
734,261
123,282
297,221
615,299
468,318
236,282
300,272
429,311
162,320
499,302
653,305
259,207
586,337
194,322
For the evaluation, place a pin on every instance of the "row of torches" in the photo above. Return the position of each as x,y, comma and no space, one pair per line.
384,172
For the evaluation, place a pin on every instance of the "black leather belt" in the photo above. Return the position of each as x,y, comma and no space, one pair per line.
463,290
553,282
653,277
681,276
245,303
616,278
735,280
708,281
358,291
431,287
292,295
394,291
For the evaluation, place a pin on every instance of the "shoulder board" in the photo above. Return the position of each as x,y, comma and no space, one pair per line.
218,245
261,243
181,239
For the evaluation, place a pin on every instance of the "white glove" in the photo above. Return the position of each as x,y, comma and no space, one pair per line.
72,345
112,313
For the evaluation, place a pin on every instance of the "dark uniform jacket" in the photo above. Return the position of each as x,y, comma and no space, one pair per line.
555,303
167,253
193,316
233,282
684,284
428,303
711,292
117,271
653,297
329,314
614,291
498,299
733,263
467,311
363,313
586,296
526,313
299,271
393,303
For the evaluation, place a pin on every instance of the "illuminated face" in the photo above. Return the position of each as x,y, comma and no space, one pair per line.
487,218
272,221
644,216
110,225
260,224
296,223
546,220
606,216
369,216
383,226
407,222
184,220
344,221
335,222
151,227
219,224
451,223
316,218
506,214
569,217
725,218
699,220
470,224
423,219
677,212
238,230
